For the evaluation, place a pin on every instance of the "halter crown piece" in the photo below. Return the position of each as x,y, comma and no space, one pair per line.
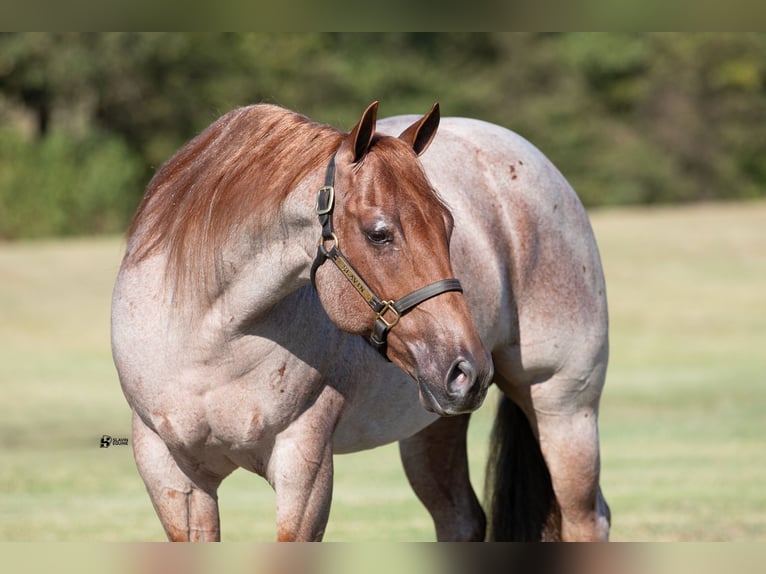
387,313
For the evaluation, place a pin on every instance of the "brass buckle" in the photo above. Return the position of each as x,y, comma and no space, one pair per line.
330,190
388,306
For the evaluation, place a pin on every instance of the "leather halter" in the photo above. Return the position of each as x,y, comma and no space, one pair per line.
387,313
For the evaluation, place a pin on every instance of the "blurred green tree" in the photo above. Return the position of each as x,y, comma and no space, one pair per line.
628,118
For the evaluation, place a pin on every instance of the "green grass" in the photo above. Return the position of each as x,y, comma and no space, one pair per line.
682,424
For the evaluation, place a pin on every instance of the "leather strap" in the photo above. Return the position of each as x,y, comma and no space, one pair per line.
406,304
424,293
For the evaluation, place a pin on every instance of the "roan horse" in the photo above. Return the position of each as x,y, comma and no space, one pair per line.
269,242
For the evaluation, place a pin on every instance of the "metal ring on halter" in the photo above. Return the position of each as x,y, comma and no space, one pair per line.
332,237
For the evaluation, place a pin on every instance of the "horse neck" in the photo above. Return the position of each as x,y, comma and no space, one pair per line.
261,270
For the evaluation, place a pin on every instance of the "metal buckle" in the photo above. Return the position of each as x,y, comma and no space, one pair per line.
330,191
388,306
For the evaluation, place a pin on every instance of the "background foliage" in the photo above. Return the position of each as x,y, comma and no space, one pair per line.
85,119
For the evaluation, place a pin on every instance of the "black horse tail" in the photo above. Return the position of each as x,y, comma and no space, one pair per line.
519,494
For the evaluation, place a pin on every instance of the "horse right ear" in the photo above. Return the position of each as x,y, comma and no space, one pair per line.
362,134
420,134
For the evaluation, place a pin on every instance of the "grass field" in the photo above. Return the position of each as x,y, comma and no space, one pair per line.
683,420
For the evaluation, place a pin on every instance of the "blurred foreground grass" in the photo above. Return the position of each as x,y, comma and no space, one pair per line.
682,423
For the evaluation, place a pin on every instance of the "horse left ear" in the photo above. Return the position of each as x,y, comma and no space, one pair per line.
420,134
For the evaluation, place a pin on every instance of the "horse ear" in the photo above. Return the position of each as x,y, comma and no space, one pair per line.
420,134
361,135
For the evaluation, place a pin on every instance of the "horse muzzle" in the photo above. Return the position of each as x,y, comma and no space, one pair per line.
463,387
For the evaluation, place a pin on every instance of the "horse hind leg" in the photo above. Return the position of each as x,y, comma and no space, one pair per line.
519,495
436,464
570,445
187,508
543,473
563,412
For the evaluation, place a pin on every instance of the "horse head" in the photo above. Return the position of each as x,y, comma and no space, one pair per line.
388,234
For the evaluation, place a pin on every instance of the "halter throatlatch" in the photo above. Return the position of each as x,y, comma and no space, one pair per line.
387,313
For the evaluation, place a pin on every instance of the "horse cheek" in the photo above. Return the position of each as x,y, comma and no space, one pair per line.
345,308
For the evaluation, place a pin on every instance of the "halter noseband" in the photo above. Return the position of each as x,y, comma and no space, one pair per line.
387,313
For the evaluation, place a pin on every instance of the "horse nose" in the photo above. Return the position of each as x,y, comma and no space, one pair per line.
466,383
461,379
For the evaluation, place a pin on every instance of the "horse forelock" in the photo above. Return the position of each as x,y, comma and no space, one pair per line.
230,179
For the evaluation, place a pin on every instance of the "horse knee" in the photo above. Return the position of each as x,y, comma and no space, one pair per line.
188,510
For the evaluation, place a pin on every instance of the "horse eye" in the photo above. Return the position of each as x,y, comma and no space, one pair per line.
378,236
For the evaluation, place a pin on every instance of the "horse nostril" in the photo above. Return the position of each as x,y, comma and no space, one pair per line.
460,378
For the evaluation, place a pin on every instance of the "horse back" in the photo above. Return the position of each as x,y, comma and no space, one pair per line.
522,246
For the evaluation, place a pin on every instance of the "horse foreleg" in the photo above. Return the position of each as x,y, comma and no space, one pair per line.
436,463
187,510
301,473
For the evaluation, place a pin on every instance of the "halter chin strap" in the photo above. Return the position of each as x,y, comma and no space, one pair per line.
387,313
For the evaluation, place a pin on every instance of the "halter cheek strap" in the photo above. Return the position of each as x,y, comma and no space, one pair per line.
387,313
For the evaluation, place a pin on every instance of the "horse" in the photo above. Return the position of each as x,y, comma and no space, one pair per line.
291,291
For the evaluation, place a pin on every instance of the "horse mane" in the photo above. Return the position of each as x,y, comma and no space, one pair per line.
231,178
